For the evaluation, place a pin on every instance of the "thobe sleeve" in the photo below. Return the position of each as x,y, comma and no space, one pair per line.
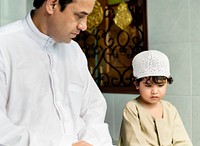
180,136
93,113
130,133
10,134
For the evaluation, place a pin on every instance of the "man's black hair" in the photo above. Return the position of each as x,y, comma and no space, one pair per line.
38,3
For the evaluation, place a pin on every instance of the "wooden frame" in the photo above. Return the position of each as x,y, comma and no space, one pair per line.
110,49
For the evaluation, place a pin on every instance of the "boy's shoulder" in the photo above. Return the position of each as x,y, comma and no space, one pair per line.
132,105
132,102
167,103
168,106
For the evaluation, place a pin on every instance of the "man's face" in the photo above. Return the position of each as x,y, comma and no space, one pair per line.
66,25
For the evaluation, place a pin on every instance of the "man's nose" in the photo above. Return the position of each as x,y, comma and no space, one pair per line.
82,25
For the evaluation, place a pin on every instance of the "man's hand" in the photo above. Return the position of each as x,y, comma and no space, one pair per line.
81,143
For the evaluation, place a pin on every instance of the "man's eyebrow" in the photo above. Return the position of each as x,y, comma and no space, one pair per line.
84,13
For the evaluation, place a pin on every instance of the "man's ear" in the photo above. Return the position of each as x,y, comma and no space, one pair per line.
51,5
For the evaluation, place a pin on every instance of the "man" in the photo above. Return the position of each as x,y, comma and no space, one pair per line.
47,95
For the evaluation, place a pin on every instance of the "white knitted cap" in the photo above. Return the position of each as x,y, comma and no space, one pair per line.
150,63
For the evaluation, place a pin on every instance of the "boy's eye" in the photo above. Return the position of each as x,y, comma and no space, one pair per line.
148,85
160,85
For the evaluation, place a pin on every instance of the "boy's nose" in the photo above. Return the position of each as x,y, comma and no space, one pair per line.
154,91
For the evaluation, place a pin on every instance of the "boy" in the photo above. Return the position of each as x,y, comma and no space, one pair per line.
148,120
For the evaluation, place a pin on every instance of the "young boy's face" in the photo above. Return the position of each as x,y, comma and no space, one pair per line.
150,92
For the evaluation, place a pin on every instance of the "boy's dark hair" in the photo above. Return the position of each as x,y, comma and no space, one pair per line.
63,3
154,79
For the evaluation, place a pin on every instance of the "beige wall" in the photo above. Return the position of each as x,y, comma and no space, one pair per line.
11,10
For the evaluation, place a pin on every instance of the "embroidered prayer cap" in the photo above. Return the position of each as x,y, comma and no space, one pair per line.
150,63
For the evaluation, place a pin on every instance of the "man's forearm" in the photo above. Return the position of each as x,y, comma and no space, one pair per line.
81,143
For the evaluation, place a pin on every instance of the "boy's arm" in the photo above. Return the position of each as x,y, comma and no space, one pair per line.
180,136
131,133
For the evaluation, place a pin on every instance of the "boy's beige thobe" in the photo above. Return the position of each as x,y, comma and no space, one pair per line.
139,128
